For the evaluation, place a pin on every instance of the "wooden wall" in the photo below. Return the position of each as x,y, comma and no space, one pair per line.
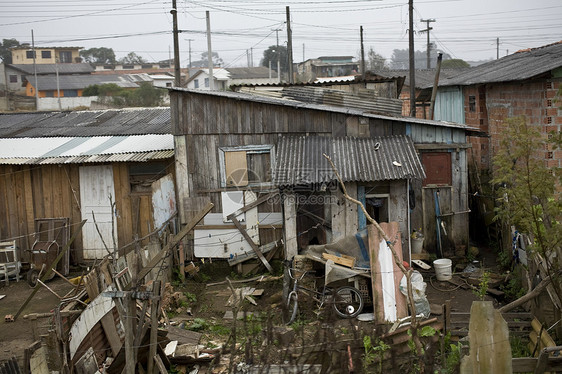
207,121
28,192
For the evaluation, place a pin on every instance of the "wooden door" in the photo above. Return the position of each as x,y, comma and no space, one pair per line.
96,188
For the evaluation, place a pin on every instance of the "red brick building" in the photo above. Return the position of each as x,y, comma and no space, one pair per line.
526,83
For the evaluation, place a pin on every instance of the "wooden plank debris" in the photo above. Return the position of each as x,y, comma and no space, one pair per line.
254,246
173,241
250,255
344,260
183,336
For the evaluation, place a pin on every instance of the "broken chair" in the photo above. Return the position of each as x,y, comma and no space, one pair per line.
10,265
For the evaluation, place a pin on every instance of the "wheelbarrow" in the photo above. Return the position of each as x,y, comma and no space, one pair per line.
42,255
51,235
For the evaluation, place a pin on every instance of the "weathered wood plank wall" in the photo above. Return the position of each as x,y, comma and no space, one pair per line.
209,121
50,191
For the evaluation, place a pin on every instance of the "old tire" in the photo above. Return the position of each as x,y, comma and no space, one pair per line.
32,277
347,302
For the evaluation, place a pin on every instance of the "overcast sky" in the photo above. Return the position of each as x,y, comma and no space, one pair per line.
465,29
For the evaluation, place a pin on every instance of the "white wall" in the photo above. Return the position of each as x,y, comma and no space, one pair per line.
52,103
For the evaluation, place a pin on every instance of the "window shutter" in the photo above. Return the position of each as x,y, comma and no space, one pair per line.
236,167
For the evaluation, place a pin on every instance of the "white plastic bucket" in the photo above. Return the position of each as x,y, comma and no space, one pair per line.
443,269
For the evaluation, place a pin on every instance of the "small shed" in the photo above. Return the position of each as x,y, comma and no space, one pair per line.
76,165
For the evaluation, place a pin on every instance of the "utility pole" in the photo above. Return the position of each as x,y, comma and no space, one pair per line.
302,52
289,45
177,71
362,54
411,58
58,83
189,41
35,72
497,48
428,29
209,52
252,57
248,57
278,54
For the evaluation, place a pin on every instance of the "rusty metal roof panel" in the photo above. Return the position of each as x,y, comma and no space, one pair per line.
300,159
110,122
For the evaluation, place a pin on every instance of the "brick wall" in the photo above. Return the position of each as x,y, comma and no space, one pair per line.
405,97
494,103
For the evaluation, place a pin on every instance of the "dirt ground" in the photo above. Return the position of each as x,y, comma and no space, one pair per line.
16,336
197,302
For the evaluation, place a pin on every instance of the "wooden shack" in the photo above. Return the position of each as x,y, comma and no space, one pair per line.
220,134
76,165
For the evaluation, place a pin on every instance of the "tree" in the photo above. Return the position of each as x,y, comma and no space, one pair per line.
527,196
132,58
5,49
110,93
401,59
375,62
454,63
217,61
272,54
98,55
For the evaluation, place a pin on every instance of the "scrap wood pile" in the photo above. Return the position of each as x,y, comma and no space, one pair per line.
112,319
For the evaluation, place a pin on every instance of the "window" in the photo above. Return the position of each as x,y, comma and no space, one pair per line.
13,79
249,165
49,93
128,67
65,57
45,54
23,79
472,103
70,93
146,66
29,54
206,82
168,84
108,67
142,175
196,83
437,167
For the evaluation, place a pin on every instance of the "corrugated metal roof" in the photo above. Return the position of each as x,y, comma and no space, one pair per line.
521,65
61,150
52,68
363,99
424,77
325,108
300,159
249,73
109,122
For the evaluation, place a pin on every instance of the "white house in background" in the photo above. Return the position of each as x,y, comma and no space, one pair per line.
224,78
162,80
201,80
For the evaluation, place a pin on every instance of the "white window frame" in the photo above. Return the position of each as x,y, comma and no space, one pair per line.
249,149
